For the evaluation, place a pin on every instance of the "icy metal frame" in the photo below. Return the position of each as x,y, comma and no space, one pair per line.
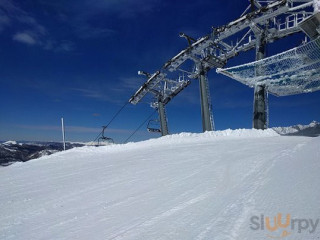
164,90
216,49
295,71
271,20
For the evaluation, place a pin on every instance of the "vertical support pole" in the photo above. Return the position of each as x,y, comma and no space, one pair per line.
260,117
260,105
207,119
316,6
163,119
63,135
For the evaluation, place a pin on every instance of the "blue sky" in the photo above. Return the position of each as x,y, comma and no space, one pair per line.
79,60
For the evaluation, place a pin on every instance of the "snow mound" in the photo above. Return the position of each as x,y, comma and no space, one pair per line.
188,138
213,136
245,133
92,143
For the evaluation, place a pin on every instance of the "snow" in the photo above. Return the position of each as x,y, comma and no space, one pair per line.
312,129
291,72
10,143
184,186
96,143
316,6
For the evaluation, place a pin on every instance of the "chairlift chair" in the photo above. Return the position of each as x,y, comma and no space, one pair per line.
104,138
153,126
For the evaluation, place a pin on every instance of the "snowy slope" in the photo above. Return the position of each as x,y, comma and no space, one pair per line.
186,186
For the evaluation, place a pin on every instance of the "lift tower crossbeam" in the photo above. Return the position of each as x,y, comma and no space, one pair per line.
164,90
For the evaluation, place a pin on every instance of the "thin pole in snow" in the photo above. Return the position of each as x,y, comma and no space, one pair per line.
63,135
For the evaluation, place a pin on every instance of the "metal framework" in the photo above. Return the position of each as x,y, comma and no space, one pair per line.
292,72
261,23
163,90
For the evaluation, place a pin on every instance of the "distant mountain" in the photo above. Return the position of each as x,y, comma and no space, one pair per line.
311,130
12,151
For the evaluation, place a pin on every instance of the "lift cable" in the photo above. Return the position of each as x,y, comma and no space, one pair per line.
114,116
144,122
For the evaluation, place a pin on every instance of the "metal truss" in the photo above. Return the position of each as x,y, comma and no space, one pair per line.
261,23
163,88
276,20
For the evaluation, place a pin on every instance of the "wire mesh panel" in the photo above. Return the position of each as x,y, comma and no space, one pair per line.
292,72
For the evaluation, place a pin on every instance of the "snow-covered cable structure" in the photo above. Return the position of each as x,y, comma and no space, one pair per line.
292,72
263,22
316,5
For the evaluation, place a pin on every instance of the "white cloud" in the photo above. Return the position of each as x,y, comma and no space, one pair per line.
32,33
75,129
24,38
10,12
65,46
126,8
85,31
95,94
126,84
32,22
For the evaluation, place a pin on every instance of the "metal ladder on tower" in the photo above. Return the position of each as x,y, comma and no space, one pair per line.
209,103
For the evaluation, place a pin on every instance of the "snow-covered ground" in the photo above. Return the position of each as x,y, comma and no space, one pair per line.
215,185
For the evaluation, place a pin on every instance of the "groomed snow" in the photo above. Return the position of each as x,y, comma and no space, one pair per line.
185,186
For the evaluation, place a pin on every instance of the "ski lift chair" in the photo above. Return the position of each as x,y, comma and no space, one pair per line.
153,126
103,138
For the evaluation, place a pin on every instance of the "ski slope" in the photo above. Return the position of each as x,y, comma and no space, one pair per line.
185,186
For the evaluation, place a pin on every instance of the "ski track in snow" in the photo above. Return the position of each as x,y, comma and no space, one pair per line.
189,186
239,210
